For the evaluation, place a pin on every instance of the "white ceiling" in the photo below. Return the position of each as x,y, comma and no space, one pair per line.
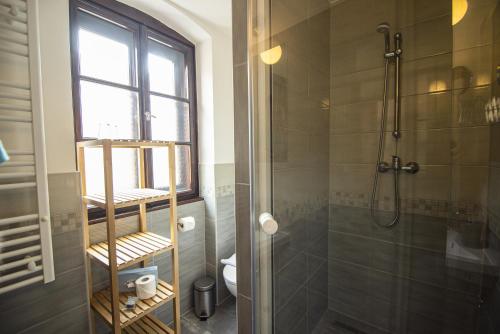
216,13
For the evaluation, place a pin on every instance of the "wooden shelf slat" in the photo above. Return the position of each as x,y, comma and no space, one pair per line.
129,198
126,143
101,303
131,248
148,324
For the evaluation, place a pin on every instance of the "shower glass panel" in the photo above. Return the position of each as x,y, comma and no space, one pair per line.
340,261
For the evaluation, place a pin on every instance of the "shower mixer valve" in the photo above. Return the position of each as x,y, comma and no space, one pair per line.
411,167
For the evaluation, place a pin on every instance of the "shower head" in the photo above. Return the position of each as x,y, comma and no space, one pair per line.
384,28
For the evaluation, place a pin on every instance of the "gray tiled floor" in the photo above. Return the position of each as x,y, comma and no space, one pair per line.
222,322
330,326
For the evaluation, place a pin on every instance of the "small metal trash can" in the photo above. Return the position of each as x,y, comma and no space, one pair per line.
204,297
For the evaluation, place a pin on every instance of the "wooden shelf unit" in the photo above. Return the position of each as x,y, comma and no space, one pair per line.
118,253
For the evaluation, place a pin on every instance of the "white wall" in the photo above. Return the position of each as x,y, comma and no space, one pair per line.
223,100
56,82
214,78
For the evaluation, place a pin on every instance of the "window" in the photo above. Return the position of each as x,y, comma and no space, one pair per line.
133,80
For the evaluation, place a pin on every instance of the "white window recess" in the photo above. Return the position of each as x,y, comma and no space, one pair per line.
25,233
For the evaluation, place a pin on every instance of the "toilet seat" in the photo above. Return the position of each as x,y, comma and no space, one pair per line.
230,261
229,273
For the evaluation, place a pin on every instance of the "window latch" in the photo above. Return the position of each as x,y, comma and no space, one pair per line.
148,116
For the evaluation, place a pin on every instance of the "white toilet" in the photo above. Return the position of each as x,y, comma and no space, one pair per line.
229,273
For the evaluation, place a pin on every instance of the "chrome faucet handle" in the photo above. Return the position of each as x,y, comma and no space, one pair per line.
383,167
411,167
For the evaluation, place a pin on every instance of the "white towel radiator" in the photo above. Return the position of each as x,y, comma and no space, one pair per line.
25,233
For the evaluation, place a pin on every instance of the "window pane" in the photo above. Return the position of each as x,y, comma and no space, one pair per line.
109,112
105,50
169,119
167,70
183,168
125,169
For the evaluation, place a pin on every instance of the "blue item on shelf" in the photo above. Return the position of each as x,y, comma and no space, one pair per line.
4,157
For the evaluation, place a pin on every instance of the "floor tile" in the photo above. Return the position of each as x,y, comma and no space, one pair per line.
222,322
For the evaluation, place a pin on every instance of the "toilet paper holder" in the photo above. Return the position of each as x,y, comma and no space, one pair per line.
185,224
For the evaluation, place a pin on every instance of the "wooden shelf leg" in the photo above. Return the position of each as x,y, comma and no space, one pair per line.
111,232
143,225
86,236
173,237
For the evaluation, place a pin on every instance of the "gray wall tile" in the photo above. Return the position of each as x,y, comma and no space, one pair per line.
27,309
71,321
35,304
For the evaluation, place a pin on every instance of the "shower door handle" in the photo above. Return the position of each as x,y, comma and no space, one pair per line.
268,223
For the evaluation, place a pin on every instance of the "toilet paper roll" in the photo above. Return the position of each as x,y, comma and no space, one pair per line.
185,224
145,286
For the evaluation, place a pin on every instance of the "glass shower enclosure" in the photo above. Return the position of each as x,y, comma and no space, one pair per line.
375,129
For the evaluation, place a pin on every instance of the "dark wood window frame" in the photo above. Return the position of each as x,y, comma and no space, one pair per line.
142,26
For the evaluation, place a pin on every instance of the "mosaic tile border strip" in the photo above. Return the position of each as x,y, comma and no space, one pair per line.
293,211
225,190
65,222
460,210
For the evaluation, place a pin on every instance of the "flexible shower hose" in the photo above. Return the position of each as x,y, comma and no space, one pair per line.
395,219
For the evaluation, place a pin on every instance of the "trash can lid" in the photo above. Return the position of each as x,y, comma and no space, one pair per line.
204,284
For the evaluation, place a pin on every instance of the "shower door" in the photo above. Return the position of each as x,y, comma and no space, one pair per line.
317,81
290,129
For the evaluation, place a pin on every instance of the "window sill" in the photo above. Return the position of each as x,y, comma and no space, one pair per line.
135,211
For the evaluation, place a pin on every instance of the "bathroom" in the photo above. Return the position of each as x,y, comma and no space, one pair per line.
335,165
